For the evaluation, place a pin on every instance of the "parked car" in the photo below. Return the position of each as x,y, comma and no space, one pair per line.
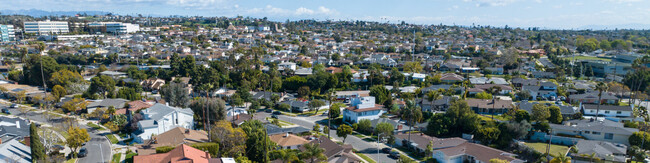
277,113
326,112
13,106
82,152
269,110
6,111
274,116
394,155
386,150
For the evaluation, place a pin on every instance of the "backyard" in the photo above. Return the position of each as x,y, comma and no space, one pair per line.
555,149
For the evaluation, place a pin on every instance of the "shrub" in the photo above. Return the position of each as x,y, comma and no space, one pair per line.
212,148
164,149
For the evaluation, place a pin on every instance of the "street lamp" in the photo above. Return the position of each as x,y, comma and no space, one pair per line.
378,139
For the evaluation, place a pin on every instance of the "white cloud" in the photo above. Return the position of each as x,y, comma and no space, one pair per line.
304,11
623,1
488,3
200,4
300,11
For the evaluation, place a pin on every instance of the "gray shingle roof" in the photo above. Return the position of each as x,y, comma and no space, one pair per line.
602,149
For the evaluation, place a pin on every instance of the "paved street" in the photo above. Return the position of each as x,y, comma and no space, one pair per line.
99,147
367,148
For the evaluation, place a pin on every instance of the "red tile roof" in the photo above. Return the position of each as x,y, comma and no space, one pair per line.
182,153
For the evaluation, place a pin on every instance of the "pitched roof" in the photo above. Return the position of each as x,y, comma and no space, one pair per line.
182,153
11,128
288,140
272,129
14,151
376,107
602,149
607,107
480,152
604,126
421,141
105,103
489,104
593,95
331,148
173,137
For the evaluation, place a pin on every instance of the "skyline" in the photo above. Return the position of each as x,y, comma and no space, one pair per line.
547,14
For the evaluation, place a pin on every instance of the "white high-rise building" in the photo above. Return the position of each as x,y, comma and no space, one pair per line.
7,33
46,27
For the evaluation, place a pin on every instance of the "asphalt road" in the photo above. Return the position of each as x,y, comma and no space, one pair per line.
99,147
367,148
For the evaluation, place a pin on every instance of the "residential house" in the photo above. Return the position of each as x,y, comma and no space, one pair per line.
606,151
239,119
520,82
565,110
496,106
342,95
438,105
288,141
173,137
272,129
399,127
484,80
152,84
592,98
451,78
591,129
13,128
335,152
14,151
287,65
622,112
113,74
115,103
505,89
160,118
362,108
182,153
419,141
546,90
472,152
545,75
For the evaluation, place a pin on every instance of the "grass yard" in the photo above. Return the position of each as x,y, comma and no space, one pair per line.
364,157
116,158
129,157
282,123
96,127
71,160
112,138
555,149
59,130
588,58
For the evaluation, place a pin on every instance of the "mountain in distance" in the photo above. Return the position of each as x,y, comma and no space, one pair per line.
618,26
40,13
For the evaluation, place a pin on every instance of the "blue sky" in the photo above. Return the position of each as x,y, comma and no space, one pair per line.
565,14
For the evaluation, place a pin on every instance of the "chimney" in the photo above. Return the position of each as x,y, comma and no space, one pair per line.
27,141
286,135
237,117
187,131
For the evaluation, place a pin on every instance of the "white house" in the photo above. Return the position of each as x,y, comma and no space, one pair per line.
160,118
14,151
623,112
362,108
600,130
287,65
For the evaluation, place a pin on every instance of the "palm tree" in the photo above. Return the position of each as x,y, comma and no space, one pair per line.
432,96
413,115
494,90
601,87
313,152
560,158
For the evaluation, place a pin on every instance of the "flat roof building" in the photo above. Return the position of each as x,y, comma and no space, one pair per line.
46,27
7,33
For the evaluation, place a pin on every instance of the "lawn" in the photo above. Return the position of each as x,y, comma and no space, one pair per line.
96,127
71,160
368,159
129,157
116,158
588,58
282,123
112,138
59,130
555,149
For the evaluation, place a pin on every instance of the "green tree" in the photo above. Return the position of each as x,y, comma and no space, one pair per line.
102,84
74,105
335,110
232,141
65,78
384,129
38,150
487,134
458,119
484,95
365,125
556,115
58,92
381,94
257,143
638,138
343,131
412,67
540,113
208,108
521,115
315,104
601,87
76,138
32,69
176,94
313,152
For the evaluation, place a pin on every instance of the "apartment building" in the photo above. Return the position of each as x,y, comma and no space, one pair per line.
46,27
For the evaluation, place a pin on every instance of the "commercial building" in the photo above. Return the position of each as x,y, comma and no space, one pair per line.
46,27
7,33
116,27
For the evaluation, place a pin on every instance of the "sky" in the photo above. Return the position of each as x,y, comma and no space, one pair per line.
548,14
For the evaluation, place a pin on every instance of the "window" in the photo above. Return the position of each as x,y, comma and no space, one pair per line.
609,136
618,112
587,132
595,133
606,112
591,111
